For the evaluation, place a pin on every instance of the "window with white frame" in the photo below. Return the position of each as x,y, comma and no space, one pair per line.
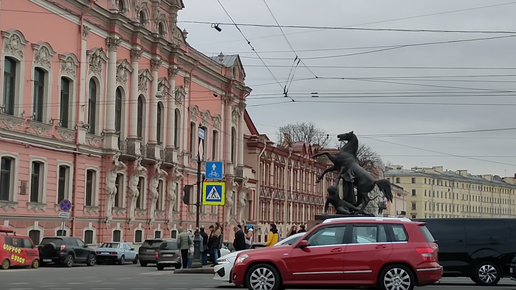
38,100
157,234
140,118
92,106
35,236
138,236
118,110
160,123
119,196
141,190
91,179
63,183
117,236
7,182
10,66
36,179
64,102
88,237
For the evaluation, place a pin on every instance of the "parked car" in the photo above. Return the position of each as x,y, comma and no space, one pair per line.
168,255
479,248
65,251
390,253
147,251
116,252
225,264
17,251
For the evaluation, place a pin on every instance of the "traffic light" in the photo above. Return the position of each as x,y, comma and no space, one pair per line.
186,194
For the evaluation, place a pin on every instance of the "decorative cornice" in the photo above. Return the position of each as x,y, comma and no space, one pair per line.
14,42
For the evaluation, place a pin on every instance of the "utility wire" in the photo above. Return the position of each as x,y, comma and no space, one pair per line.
356,28
249,43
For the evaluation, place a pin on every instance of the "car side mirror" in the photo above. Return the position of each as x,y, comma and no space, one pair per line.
85,246
132,249
303,244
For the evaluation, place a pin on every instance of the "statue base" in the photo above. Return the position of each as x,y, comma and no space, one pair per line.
322,217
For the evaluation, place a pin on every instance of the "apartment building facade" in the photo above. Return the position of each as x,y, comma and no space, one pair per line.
438,193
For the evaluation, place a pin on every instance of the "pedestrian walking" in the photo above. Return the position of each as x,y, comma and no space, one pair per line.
184,242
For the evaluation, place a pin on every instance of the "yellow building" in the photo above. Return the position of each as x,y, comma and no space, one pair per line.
435,193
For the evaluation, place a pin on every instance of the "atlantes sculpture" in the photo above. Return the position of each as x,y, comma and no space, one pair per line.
353,176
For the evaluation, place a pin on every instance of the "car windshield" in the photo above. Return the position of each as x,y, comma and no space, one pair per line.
110,245
168,246
154,244
290,240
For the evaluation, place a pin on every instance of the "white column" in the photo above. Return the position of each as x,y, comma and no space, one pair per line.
112,45
136,53
172,71
185,128
229,124
240,137
82,97
155,64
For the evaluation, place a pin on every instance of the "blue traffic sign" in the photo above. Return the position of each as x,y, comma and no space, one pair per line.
65,205
213,193
214,170
201,133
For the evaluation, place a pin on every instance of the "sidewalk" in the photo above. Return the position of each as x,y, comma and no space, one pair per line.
208,269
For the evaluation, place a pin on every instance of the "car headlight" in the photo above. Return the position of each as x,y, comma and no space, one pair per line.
222,261
241,258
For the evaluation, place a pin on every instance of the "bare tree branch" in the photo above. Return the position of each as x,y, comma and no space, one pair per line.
303,132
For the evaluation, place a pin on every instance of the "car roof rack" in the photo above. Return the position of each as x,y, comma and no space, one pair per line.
329,220
7,230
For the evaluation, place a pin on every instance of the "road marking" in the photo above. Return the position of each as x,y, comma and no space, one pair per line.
76,283
102,288
19,283
20,289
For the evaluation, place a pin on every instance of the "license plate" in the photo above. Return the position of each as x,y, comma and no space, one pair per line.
47,260
104,253
150,250
168,255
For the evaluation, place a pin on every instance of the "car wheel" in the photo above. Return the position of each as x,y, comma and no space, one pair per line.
487,274
160,267
91,260
143,264
35,264
68,261
397,277
121,261
263,277
5,264
135,261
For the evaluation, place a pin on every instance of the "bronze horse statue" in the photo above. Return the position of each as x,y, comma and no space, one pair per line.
350,147
363,180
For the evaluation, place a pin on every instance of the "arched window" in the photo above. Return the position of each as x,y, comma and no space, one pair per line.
193,131
160,122
161,29
139,121
9,85
92,106
39,93
118,110
177,128
233,144
142,18
121,6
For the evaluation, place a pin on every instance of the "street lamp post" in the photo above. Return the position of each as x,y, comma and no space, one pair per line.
196,263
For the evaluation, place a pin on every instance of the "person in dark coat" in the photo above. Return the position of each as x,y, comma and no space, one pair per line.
239,242
205,247
214,244
302,229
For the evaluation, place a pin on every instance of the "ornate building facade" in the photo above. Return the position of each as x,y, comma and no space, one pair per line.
281,184
101,105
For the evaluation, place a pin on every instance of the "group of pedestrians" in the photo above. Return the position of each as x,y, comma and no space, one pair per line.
244,236
210,244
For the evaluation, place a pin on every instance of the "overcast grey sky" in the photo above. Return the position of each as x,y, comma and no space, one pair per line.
469,72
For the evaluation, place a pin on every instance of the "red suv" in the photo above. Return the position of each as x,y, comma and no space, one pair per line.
391,253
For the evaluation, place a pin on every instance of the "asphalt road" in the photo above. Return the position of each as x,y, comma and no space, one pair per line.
134,277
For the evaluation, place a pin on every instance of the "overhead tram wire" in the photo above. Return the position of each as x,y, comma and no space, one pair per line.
390,20
249,43
356,28
297,57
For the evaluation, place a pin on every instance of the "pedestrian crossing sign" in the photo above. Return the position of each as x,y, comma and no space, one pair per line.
213,193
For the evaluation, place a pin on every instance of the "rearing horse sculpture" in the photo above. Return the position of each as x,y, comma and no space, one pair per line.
351,147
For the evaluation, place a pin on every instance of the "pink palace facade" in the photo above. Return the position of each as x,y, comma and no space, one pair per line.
101,104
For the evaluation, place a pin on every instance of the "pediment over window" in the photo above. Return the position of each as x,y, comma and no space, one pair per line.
144,76
43,54
96,59
14,42
69,64
123,69
163,86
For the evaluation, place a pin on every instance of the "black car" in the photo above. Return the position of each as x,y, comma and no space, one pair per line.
65,251
479,248
147,251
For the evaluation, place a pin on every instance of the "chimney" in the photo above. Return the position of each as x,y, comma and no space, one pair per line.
221,57
185,33
463,173
488,177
